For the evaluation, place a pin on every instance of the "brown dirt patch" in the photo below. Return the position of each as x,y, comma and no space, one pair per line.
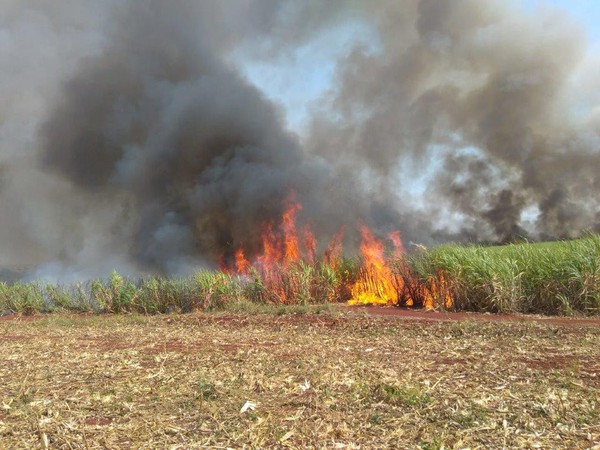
20,318
15,337
551,362
452,316
98,421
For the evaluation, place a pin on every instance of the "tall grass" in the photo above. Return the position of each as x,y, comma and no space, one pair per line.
300,283
548,278
297,284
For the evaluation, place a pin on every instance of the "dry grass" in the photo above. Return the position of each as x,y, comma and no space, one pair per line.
318,381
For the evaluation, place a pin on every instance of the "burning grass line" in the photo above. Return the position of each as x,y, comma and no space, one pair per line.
561,278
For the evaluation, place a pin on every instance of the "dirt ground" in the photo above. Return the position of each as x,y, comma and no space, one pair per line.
448,316
348,378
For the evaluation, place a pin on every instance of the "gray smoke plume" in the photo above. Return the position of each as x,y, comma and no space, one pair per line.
130,139
159,124
488,96
152,153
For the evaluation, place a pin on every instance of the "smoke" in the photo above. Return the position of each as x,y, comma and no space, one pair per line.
159,124
130,138
491,98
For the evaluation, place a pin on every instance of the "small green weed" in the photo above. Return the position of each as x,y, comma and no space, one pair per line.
399,396
205,390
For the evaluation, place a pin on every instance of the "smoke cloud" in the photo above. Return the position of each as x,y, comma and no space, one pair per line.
130,138
486,100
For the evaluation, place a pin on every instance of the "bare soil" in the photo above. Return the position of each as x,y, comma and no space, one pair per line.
421,314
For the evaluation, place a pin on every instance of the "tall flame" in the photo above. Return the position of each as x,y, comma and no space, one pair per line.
381,283
242,265
375,284
334,250
310,245
290,234
383,278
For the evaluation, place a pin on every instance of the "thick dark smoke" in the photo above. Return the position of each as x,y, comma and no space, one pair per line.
159,123
130,139
488,96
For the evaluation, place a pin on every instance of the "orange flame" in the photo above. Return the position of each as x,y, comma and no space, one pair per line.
380,283
290,235
376,283
242,265
310,244
334,250
282,246
272,251
436,292
382,279
394,236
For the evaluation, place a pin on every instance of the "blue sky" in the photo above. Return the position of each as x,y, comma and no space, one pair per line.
585,11
297,83
298,80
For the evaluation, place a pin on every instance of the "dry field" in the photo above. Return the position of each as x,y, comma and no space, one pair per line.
337,379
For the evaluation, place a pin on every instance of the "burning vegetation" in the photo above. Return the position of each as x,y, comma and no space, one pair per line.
382,276
554,278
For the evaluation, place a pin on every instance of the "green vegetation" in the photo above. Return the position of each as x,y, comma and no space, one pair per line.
560,278
555,278
300,285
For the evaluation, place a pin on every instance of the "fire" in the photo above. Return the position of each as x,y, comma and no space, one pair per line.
242,265
437,291
383,277
394,236
283,245
310,244
375,284
290,235
334,251
385,280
